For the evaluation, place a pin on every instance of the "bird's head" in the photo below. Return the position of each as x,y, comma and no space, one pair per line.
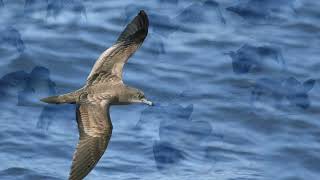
134,95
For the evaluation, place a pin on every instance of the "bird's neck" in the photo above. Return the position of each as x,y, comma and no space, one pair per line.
123,94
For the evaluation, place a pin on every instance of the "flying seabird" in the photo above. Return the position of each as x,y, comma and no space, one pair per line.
104,87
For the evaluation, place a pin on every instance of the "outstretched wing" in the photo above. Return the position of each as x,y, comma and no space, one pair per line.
95,129
109,65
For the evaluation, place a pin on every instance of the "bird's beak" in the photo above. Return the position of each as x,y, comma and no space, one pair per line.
145,101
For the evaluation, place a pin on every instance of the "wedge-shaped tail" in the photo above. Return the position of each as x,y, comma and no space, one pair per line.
69,98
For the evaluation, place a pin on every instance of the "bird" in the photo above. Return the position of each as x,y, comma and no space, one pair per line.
104,87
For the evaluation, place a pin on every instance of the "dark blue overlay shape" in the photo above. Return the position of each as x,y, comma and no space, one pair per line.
39,77
11,84
55,7
176,125
11,36
288,89
166,154
195,12
21,85
260,9
249,57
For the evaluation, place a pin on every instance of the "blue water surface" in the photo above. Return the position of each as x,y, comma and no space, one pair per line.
234,82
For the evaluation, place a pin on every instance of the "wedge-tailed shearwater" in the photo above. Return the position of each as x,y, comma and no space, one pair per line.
104,87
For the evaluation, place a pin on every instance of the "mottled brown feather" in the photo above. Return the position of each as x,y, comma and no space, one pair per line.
95,129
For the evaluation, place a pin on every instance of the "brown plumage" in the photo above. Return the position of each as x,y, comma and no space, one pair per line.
104,87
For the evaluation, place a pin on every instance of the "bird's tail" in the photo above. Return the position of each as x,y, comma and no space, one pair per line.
70,98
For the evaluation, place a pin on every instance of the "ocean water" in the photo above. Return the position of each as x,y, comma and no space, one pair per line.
234,82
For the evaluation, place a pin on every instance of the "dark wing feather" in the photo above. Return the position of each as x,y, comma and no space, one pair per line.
137,30
109,65
95,129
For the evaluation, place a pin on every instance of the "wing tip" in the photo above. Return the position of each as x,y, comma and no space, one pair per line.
137,28
143,14
145,21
